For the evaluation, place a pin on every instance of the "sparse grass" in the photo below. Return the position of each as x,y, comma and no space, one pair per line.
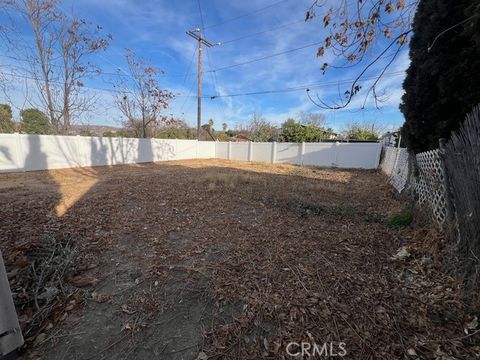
302,209
401,219
344,212
231,181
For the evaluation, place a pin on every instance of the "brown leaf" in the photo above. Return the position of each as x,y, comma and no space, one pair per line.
320,51
326,20
83,281
101,298
22,262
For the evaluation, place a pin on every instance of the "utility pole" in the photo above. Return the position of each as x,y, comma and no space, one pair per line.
197,35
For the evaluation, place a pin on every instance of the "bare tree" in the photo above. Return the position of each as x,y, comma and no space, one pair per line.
140,98
58,60
366,34
6,30
261,129
313,119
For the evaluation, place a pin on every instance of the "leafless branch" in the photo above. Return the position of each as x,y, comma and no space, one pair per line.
140,98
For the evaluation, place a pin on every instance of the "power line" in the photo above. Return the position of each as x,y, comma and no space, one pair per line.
188,96
244,15
179,113
306,86
267,57
213,75
215,84
29,77
273,91
100,72
201,14
282,26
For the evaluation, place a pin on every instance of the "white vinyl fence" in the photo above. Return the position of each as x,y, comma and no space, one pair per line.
19,152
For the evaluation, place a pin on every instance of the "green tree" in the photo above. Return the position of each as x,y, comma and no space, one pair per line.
110,134
86,132
6,121
442,83
362,132
33,121
176,129
293,131
260,129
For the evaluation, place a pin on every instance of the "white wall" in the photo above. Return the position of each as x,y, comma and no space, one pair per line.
342,155
19,152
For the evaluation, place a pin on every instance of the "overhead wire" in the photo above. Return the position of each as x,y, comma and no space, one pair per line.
30,77
267,56
261,92
209,63
282,26
179,113
306,86
245,14
100,72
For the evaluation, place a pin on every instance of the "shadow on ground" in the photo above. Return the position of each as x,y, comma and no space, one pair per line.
234,260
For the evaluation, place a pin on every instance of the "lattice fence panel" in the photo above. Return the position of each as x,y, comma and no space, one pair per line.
400,174
429,185
388,160
427,182
395,164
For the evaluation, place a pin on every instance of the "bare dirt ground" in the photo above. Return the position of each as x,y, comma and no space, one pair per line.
217,259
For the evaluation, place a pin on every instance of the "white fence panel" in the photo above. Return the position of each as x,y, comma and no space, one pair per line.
37,152
164,149
288,153
239,151
10,158
186,149
206,150
358,155
51,152
320,154
262,152
221,150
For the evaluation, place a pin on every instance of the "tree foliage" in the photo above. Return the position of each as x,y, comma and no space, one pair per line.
33,121
176,129
6,120
260,129
442,83
293,131
362,131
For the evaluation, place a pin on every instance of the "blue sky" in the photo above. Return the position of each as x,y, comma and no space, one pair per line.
155,30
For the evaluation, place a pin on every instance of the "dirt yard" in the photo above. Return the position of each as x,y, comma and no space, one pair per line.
224,260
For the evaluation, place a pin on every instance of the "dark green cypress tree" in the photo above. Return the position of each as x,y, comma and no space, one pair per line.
443,80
